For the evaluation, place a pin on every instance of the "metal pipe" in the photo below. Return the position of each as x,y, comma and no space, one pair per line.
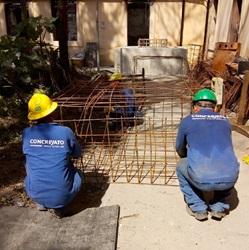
182,22
98,38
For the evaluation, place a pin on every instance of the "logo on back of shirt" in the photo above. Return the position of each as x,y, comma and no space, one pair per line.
208,117
46,143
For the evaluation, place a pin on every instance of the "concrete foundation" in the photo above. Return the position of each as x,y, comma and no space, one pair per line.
155,61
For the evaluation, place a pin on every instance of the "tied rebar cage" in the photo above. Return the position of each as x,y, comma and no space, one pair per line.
127,129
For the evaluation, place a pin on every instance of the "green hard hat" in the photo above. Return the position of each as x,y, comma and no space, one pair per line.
205,95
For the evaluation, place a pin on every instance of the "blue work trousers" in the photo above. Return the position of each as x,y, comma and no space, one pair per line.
194,192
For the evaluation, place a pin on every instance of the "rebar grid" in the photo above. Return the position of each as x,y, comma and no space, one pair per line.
128,139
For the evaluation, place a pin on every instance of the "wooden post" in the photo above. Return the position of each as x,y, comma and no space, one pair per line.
243,99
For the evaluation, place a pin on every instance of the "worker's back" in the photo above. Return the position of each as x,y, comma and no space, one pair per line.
210,154
51,180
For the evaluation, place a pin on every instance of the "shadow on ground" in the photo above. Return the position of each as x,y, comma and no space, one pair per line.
233,199
90,194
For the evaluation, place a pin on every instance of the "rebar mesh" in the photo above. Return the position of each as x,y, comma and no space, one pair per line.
127,129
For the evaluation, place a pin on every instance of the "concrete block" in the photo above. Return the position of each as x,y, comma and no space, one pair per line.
155,61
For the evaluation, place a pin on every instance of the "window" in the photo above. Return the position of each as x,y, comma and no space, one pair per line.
71,19
13,14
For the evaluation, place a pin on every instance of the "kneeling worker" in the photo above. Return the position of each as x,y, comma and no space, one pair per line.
52,181
208,161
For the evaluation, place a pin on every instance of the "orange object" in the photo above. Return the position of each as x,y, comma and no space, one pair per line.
225,53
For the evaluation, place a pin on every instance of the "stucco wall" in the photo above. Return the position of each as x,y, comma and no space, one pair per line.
112,29
3,30
194,22
41,8
165,21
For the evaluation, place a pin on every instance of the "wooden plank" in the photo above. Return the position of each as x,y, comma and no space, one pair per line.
243,100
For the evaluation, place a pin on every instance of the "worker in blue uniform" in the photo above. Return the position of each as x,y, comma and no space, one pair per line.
208,163
51,179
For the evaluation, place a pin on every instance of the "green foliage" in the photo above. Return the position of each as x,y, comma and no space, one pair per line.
25,57
25,66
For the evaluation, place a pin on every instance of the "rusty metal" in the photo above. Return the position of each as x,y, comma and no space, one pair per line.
137,148
225,52
195,52
201,76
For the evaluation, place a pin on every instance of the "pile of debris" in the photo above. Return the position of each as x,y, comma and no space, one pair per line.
203,73
230,68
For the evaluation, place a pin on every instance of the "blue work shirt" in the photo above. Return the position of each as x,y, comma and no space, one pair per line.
129,108
205,139
51,179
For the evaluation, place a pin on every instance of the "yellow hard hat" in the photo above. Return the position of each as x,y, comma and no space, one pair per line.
40,105
115,76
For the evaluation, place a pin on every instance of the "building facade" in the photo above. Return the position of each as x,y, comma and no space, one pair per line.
119,23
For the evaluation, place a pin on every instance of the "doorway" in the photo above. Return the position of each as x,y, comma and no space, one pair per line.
138,20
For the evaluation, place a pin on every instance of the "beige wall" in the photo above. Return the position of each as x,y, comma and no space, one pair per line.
3,30
165,21
41,8
86,21
112,26
112,29
194,22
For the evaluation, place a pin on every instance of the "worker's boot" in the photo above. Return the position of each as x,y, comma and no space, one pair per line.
217,215
40,207
200,215
57,213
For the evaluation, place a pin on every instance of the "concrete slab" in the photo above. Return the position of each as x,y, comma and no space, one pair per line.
25,228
